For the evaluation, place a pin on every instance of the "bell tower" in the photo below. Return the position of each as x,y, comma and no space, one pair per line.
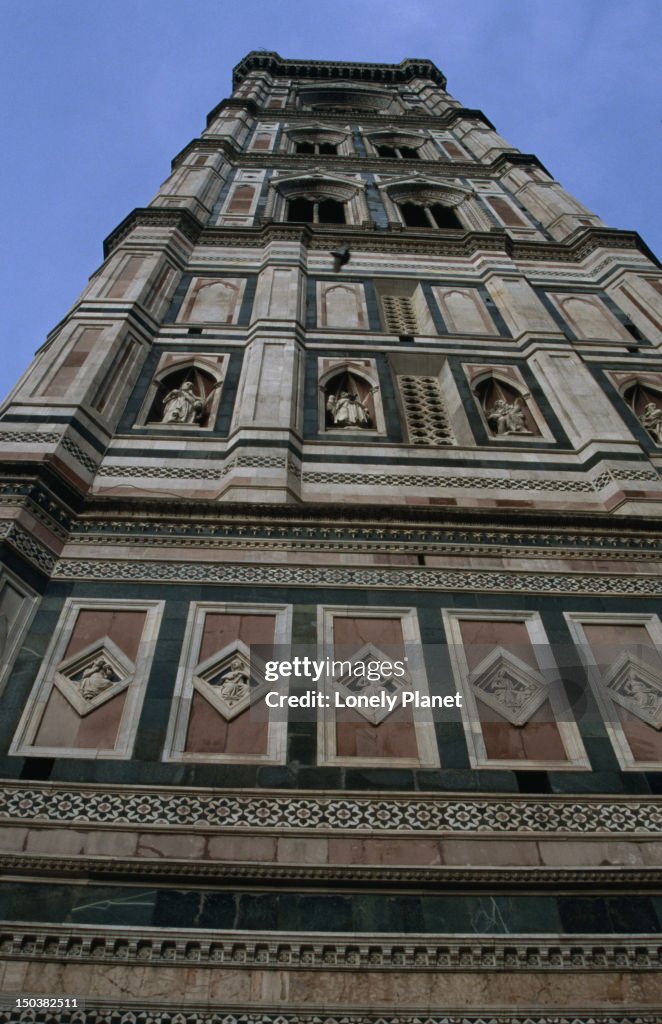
330,593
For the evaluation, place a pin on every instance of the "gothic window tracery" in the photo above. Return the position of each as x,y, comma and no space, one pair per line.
419,202
317,198
315,210
434,215
316,140
397,145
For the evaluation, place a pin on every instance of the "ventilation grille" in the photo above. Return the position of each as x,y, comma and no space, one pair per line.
425,412
399,315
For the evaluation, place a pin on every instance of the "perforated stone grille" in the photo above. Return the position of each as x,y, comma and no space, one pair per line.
425,412
399,315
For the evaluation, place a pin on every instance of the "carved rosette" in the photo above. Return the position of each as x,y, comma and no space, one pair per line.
356,682
509,686
637,687
230,680
94,675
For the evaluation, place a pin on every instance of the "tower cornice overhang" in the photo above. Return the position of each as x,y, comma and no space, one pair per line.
152,216
447,243
329,70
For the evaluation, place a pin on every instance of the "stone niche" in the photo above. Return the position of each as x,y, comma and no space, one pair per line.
185,391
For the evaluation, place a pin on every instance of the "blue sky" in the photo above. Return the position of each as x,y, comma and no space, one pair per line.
99,95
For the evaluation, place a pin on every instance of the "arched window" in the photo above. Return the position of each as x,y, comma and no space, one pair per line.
184,396
398,152
315,210
316,139
317,198
396,144
317,148
434,215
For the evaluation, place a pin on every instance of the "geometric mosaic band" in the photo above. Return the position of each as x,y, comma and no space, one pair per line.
363,577
144,1014
264,810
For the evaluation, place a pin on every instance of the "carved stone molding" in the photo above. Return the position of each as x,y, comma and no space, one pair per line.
90,944
125,1013
431,878
269,811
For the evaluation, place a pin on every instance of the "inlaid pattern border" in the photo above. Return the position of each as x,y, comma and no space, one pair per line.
376,813
363,577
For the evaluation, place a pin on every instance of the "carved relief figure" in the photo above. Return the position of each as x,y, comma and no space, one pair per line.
651,419
511,692
641,693
507,417
95,679
235,683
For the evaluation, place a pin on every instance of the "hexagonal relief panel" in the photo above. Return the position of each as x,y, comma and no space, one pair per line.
637,687
509,686
94,675
231,680
357,683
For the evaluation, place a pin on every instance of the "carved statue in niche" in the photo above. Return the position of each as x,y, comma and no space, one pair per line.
651,419
95,679
507,417
347,403
504,407
182,405
347,410
184,396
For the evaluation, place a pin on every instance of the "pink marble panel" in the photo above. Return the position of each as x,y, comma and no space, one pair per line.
124,628
62,726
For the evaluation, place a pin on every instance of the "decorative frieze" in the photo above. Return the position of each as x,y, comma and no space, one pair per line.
244,951
387,578
403,814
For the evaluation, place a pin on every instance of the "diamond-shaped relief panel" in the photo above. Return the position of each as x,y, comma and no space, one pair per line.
637,687
94,675
363,682
509,686
231,680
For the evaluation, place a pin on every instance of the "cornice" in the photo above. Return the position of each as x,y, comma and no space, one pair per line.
153,216
428,243
418,529
434,878
369,238
417,952
330,71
